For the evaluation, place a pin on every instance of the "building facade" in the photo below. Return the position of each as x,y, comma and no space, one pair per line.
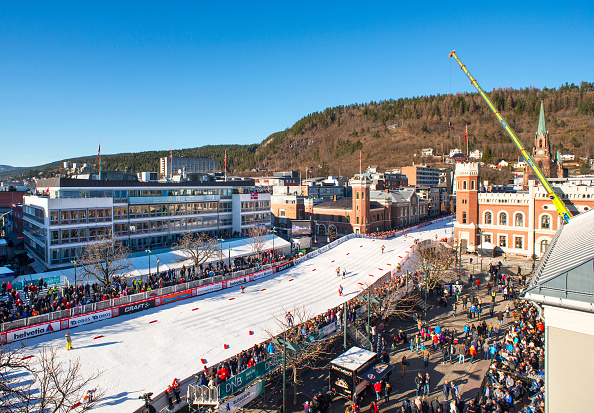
181,164
521,222
421,175
67,214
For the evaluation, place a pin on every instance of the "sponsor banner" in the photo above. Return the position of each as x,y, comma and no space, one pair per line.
246,377
33,331
314,254
88,318
237,281
263,274
135,307
169,298
300,259
283,267
327,330
243,398
208,288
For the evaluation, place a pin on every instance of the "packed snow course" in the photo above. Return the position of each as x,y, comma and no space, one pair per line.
143,352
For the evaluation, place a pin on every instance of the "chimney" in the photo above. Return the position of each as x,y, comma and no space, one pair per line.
335,197
387,191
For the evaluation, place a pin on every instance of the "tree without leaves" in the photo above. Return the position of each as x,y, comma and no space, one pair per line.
42,383
434,261
198,248
104,259
309,352
258,235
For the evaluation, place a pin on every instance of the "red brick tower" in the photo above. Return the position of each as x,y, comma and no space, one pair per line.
360,215
467,211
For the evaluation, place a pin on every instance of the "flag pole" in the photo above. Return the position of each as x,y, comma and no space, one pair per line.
360,163
99,156
225,163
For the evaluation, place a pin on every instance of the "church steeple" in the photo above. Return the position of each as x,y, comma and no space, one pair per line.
542,130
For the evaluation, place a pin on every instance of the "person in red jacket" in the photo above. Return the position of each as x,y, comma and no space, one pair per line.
175,385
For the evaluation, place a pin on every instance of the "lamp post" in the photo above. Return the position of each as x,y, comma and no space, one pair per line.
479,250
369,318
229,256
284,371
75,263
149,255
221,248
273,231
158,262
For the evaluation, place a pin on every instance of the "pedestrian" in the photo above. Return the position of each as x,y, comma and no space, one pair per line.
500,318
420,384
426,357
176,391
306,406
169,392
478,283
68,341
289,317
387,391
426,385
454,308
340,291
377,386
404,363
446,389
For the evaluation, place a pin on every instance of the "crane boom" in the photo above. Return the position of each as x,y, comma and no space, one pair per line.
559,205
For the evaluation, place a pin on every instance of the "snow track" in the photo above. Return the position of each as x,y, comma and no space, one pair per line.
137,356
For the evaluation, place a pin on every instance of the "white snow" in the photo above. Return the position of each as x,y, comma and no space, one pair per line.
138,357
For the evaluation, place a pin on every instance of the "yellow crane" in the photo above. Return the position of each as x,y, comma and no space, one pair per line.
559,205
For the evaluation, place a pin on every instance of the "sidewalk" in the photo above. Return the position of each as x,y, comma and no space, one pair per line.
467,376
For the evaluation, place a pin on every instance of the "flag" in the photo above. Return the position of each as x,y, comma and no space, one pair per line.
466,135
99,151
253,195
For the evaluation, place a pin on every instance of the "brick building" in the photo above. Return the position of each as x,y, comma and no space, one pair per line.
522,222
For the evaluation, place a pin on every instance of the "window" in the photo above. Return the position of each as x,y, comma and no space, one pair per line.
519,220
282,212
544,244
357,195
471,184
518,243
487,237
463,184
357,220
545,222
488,218
502,218
503,241
464,217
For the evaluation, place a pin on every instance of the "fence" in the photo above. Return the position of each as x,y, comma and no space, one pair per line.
102,305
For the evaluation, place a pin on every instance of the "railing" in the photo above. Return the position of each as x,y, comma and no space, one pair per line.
101,305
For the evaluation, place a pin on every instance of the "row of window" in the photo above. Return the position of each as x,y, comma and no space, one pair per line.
545,219
134,193
255,219
166,210
74,235
79,216
518,242
255,206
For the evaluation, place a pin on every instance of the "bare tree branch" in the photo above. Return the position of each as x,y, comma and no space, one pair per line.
258,235
42,383
435,260
102,260
198,248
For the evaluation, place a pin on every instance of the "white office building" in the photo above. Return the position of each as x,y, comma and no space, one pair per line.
66,214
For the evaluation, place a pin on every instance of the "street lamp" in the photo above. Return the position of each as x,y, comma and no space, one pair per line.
149,255
158,262
425,268
273,231
75,263
221,248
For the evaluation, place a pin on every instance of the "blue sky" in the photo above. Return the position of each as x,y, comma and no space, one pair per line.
150,75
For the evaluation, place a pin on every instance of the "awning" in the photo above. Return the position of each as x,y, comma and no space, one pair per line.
376,373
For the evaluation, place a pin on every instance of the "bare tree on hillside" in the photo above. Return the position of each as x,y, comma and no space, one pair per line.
42,383
305,353
104,259
198,248
258,235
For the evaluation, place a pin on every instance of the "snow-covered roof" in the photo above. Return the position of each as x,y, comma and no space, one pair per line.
353,358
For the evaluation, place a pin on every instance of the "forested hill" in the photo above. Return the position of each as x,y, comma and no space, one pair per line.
390,133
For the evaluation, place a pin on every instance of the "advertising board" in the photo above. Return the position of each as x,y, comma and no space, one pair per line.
263,274
135,307
283,267
208,288
88,318
169,298
32,331
237,281
246,377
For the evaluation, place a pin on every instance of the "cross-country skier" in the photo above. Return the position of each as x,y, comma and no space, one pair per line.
383,249
68,341
338,271
340,290
343,273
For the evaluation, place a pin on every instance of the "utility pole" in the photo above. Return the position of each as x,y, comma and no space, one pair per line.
344,323
369,319
284,371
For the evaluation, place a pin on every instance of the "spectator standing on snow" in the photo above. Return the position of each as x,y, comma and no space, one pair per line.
68,341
